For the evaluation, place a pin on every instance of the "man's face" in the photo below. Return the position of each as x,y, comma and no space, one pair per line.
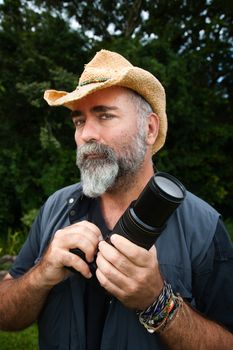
110,145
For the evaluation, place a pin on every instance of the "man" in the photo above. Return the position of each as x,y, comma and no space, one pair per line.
178,294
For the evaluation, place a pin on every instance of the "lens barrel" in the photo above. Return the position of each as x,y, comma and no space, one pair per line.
144,220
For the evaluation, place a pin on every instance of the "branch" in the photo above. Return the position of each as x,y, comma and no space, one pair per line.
134,14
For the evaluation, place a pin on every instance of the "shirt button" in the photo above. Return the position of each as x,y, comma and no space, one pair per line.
71,200
72,213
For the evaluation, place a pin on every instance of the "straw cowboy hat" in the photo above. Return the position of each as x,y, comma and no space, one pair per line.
108,69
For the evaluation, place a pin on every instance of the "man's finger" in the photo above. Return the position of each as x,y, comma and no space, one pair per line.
133,252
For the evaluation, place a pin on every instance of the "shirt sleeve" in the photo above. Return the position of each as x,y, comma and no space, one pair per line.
29,251
213,284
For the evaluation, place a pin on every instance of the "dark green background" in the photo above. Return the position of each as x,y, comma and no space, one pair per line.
186,44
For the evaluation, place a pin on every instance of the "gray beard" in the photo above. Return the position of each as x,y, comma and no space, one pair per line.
107,172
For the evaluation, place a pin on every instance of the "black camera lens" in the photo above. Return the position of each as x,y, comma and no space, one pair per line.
144,220
169,186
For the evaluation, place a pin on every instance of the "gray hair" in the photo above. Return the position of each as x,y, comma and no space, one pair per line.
143,108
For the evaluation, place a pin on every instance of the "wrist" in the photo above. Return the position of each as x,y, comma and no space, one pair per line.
163,310
42,277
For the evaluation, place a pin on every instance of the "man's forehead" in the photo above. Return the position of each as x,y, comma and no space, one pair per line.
107,95
104,100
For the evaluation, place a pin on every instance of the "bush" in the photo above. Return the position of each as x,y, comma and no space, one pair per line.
229,226
12,243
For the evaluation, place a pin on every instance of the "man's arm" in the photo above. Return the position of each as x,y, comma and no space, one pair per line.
21,299
132,275
191,331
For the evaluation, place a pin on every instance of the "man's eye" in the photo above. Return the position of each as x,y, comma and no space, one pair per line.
78,122
106,116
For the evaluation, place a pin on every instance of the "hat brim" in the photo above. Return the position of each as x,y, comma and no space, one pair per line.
68,99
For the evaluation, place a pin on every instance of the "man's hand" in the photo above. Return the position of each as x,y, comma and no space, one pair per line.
129,272
83,235
22,299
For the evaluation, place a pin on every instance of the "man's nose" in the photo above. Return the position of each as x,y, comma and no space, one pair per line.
90,131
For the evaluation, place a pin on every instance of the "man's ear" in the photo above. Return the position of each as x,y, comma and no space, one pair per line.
152,128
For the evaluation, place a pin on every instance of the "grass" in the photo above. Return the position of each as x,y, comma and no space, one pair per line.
23,340
28,338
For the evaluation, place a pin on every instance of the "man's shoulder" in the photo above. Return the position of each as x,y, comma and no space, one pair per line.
196,203
54,213
198,215
66,194
199,221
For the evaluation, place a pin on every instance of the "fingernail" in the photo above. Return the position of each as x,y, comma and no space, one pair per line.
101,243
113,238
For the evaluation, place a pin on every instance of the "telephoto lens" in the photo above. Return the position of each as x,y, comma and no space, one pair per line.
144,220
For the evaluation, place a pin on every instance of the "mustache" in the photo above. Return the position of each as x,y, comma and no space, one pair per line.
96,150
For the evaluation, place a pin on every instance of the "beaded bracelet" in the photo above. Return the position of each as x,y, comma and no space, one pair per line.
156,317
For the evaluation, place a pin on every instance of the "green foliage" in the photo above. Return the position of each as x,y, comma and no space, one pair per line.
27,339
44,44
47,139
12,242
5,266
229,226
28,218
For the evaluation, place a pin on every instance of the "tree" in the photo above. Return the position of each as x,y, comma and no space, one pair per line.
44,44
33,58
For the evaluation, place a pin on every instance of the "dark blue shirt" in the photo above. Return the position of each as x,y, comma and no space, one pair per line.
194,253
